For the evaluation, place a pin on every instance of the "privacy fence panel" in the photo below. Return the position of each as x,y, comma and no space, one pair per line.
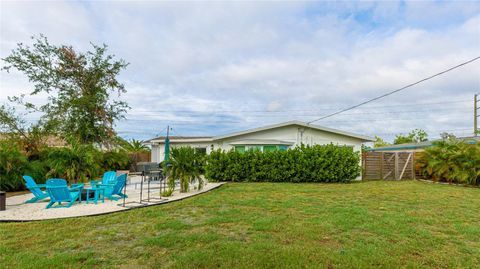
390,165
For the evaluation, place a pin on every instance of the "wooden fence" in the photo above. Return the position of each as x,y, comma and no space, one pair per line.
139,157
390,165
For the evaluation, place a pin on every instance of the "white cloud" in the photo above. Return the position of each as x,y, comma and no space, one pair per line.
217,64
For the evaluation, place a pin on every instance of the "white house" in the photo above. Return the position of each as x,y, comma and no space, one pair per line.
273,137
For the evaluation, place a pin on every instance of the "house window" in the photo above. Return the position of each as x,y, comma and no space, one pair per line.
269,148
282,147
265,148
240,149
254,148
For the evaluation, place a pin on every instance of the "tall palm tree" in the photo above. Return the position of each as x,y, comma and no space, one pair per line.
135,146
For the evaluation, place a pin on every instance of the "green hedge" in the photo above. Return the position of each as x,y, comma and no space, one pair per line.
319,163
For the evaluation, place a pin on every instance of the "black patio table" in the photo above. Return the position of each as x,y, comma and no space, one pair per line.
84,195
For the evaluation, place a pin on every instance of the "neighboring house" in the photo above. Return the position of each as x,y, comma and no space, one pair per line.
417,147
50,140
268,138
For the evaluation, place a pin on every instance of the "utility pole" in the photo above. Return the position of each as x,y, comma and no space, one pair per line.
475,115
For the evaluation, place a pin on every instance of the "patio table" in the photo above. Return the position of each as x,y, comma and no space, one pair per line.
97,191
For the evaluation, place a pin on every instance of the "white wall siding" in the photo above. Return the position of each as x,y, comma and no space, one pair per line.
158,155
287,133
155,154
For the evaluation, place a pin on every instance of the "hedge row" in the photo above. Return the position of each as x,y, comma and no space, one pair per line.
319,163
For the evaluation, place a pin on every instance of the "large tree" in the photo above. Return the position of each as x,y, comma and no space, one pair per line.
415,136
82,87
379,142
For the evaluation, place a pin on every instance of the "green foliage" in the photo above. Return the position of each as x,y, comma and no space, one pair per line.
185,165
167,193
319,163
452,161
135,149
415,136
79,86
38,169
115,160
379,142
12,163
30,138
133,146
77,163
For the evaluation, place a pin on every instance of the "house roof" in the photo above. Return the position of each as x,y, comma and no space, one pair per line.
160,139
180,139
298,123
425,144
49,140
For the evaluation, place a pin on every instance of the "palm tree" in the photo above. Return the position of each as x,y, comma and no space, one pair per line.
185,165
452,161
134,148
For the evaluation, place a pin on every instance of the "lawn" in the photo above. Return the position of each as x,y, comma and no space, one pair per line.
260,225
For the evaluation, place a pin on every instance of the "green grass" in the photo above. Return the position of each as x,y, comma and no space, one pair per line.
362,225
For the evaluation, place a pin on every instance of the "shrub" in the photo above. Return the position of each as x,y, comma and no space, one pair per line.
167,193
452,161
76,163
115,160
38,169
185,165
319,163
12,164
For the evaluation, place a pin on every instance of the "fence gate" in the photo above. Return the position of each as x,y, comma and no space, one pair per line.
388,165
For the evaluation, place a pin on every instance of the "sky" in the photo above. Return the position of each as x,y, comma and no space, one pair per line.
210,68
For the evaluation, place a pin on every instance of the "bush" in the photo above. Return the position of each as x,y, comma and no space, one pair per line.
115,160
319,163
452,161
12,164
38,169
167,193
77,163
185,165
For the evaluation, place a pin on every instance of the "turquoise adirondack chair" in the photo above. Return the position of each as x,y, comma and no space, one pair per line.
35,189
59,192
108,178
114,191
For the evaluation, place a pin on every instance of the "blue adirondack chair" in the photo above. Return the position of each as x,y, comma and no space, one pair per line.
108,178
35,189
59,192
114,191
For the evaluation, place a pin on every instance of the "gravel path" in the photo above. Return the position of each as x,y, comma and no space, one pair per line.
17,210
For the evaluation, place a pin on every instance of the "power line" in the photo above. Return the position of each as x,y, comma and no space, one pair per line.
296,110
427,130
397,90
459,110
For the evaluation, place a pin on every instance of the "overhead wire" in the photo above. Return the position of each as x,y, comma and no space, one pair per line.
396,90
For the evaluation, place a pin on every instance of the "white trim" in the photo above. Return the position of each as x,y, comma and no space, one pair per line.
299,123
181,140
261,142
